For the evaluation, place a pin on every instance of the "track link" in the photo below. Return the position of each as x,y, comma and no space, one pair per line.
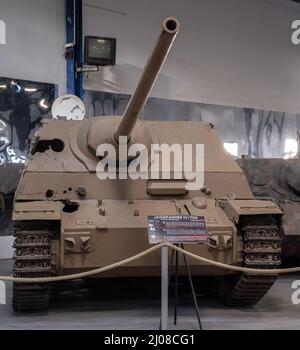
32,259
261,249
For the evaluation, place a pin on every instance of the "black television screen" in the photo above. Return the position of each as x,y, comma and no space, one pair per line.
100,51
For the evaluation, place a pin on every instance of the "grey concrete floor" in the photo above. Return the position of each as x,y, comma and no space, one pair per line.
130,305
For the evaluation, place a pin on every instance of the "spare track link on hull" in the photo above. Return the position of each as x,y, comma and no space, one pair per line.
261,249
32,259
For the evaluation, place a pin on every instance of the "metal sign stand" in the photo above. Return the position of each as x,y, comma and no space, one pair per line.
165,281
164,288
191,286
175,228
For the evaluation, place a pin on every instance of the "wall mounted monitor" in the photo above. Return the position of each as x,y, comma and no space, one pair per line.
100,51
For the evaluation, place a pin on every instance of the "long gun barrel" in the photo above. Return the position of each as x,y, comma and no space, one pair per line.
171,27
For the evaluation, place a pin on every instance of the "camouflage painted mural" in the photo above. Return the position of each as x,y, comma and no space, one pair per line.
22,106
256,133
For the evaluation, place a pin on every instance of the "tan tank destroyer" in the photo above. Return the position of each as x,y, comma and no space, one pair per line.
68,220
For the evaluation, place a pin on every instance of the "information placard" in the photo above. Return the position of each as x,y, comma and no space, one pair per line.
177,229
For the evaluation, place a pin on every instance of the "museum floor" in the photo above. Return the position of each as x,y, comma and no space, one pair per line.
78,305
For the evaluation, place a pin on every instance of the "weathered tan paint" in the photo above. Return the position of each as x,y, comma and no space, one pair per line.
111,221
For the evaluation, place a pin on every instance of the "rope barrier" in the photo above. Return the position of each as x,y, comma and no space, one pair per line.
144,253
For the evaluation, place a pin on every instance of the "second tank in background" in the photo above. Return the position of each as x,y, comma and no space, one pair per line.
279,179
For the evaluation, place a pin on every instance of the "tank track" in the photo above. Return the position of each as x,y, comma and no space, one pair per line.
261,250
32,259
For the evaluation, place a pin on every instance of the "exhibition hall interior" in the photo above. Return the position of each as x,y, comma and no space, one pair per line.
149,166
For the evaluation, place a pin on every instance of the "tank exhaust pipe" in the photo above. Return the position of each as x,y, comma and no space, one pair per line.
171,27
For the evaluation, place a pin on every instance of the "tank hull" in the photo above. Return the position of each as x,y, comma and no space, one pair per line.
95,236
71,214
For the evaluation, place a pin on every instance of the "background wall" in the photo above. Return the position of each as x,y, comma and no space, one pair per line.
35,41
230,52
23,104
252,132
